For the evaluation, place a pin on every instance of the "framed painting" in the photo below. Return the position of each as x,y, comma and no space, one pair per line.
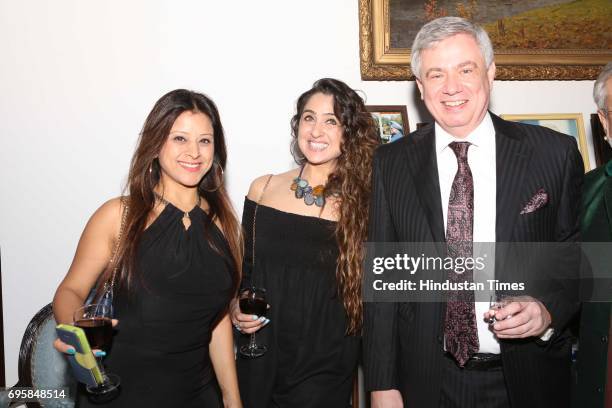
391,120
568,123
533,39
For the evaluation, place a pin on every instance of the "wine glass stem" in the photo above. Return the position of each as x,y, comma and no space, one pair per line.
252,344
102,370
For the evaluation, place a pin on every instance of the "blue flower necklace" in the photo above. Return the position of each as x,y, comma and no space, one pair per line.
310,195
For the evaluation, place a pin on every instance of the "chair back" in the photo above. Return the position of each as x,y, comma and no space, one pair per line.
41,366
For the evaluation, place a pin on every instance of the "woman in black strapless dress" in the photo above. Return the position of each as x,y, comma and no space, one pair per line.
178,256
307,243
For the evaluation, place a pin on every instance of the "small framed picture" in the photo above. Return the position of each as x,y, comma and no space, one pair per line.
568,123
392,121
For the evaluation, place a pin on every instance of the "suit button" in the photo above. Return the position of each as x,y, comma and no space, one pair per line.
439,338
604,339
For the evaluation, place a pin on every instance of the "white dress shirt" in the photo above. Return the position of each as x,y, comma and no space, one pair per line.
482,162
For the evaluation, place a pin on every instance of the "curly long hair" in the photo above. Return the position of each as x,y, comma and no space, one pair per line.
145,174
350,182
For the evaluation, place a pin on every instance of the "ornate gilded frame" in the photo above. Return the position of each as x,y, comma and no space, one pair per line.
381,62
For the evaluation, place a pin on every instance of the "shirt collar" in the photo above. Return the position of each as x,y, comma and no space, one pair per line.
482,136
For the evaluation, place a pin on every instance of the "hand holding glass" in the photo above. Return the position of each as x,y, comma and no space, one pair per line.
96,322
253,301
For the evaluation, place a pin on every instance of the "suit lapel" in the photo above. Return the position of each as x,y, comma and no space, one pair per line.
512,158
608,197
424,169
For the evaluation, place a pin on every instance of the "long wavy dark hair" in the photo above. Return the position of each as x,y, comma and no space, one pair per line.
350,182
145,174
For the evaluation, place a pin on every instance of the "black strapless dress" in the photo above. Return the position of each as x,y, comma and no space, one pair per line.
310,361
160,349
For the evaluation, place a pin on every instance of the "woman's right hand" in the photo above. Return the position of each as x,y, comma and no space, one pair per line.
246,323
68,349
63,347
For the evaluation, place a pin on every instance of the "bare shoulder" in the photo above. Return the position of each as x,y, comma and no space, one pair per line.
257,187
107,219
275,180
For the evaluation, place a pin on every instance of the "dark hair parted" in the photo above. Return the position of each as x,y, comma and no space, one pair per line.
145,174
350,182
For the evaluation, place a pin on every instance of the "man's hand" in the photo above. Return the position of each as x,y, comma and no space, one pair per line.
387,399
522,317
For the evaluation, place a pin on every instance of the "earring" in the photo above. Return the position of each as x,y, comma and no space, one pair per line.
151,165
216,174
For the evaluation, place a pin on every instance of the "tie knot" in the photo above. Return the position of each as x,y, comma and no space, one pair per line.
460,149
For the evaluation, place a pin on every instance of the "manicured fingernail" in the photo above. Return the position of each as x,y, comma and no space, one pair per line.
266,322
71,351
255,317
100,353
262,319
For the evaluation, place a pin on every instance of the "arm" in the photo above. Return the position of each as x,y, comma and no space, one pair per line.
224,364
566,305
380,319
243,322
90,260
532,317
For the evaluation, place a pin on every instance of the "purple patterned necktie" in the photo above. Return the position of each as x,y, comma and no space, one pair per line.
460,331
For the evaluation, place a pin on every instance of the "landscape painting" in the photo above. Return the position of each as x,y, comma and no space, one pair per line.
533,39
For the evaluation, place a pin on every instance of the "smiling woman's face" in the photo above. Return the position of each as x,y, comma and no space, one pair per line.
189,150
320,132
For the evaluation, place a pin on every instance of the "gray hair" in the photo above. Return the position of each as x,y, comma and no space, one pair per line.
441,29
599,89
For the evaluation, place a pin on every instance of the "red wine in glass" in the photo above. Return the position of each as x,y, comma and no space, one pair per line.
253,301
98,330
254,306
96,321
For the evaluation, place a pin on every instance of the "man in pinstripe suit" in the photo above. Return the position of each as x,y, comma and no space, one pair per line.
493,181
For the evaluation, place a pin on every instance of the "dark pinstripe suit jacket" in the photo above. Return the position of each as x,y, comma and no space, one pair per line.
403,341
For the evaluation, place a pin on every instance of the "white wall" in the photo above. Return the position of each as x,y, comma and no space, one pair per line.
77,79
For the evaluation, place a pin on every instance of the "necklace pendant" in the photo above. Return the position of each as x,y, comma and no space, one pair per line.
309,199
186,221
320,201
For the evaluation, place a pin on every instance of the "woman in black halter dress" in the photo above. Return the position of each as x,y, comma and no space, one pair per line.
309,225
178,256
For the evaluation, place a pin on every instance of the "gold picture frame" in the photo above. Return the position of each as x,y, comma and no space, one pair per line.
385,116
379,60
568,123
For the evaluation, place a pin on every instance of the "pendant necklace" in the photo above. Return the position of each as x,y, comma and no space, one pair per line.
186,218
304,191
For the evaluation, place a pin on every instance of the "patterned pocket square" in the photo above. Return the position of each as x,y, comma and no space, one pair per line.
539,200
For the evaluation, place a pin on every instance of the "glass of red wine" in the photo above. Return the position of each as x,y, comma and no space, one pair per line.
253,301
96,321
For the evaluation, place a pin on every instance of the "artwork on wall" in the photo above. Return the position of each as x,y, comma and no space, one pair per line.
568,123
392,121
533,39
601,147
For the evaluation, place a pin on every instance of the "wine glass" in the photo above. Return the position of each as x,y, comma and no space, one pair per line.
497,302
95,320
253,301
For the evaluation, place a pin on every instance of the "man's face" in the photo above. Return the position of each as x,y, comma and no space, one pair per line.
606,118
455,84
